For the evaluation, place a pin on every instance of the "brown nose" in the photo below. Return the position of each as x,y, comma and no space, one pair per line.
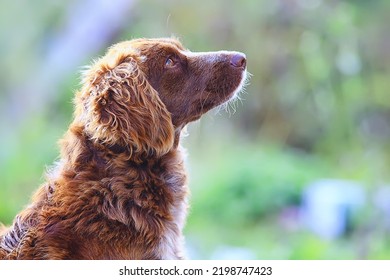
238,60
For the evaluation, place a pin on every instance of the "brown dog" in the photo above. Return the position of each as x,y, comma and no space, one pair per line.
119,190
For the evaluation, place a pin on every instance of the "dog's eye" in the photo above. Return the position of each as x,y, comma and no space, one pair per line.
170,62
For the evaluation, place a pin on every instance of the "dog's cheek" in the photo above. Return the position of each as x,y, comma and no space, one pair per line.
178,93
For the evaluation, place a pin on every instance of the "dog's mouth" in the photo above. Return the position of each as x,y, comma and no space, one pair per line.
230,79
241,86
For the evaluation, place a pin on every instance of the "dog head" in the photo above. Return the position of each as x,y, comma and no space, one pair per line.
143,91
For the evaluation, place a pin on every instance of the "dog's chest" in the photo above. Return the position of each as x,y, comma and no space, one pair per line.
152,200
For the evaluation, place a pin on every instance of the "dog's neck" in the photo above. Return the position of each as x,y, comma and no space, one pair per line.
78,151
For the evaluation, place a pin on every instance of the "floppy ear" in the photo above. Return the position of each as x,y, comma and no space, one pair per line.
121,107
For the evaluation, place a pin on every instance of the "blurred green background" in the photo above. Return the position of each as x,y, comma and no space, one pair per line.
298,169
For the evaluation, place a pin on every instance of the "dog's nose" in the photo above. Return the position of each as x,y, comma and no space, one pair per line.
238,60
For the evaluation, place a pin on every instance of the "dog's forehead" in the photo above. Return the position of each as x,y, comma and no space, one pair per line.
154,44
137,45
141,49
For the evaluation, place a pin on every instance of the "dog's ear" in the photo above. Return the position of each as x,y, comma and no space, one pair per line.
121,107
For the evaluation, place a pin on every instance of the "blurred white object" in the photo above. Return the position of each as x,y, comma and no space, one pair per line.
327,205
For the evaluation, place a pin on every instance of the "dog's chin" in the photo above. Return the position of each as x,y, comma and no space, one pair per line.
229,102
241,86
235,93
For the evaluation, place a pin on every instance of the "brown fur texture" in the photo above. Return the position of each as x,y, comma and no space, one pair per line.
119,190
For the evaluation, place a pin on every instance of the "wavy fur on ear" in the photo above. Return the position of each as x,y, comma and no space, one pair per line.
119,106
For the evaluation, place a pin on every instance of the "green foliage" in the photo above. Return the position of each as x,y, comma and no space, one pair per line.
246,183
27,156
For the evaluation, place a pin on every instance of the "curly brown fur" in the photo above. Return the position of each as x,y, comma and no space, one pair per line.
119,190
